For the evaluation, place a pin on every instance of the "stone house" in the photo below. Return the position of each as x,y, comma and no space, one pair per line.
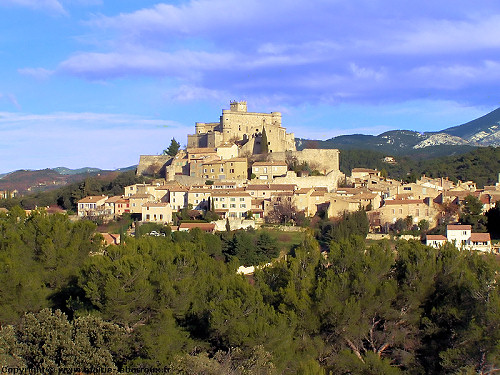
395,209
267,170
156,212
230,169
137,200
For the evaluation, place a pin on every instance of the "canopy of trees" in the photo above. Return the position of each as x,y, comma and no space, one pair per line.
176,302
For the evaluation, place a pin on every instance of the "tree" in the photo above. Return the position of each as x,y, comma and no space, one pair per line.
173,149
264,148
471,212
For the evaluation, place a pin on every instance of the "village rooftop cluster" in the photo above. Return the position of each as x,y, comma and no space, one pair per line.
244,168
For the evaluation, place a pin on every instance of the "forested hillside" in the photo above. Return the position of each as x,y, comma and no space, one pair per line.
68,196
481,165
175,303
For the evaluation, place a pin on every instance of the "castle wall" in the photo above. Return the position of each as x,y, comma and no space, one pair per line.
153,164
324,161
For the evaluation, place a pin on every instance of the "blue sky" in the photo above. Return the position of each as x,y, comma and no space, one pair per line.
97,83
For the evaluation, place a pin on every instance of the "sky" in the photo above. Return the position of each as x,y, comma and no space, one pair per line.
97,83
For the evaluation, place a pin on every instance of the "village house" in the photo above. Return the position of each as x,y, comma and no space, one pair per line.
267,170
394,209
156,212
231,203
137,200
93,206
462,237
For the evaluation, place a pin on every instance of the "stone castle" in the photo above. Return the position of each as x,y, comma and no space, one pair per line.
246,129
239,135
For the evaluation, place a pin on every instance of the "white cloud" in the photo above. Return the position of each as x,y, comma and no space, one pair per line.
53,6
38,73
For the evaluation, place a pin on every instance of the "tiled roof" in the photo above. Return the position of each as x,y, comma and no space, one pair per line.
435,237
155,204
481,237
93,199
402,201
458,227
272,163
202,226
203,150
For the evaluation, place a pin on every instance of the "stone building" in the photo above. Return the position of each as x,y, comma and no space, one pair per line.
237,125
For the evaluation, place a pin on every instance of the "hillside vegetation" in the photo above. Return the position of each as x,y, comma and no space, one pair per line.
176,304
481,165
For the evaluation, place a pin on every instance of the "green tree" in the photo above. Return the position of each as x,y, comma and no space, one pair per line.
264,147
471,213
173,149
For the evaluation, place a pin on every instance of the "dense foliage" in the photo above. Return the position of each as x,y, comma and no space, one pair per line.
177,303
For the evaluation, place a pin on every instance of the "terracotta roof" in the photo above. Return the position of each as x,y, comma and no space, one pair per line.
458,227
201,150
113,199
272,162
155,204
481,237
92,199
140,196
302,191
402,201
175,189
435,237
111,239
203,226
282,186
257,187
229,192
364,170
318,194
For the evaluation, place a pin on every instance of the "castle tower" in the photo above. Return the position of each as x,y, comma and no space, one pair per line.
238,106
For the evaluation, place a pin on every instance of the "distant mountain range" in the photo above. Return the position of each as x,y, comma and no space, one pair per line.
481,132
46,179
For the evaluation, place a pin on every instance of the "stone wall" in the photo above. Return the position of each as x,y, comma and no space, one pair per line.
152,164
330,181
324,161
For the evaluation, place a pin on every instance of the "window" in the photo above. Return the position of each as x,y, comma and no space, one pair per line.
224,205
242,199
232,205
231,171
212,170
256,169
232,199
147,217
243,205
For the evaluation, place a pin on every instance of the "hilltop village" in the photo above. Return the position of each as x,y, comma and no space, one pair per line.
245,170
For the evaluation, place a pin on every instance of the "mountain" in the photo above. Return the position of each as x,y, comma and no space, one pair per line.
484,131
456,140
64,170
25,181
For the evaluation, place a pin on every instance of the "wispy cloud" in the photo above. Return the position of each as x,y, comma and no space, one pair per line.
53,6
38,73
10,98
81,139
